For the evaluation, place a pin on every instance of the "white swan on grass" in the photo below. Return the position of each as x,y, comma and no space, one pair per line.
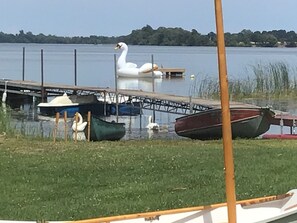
4,95
128,69
80,136
80,125
152,125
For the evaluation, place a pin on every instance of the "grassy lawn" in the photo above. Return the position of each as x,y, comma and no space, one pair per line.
65,181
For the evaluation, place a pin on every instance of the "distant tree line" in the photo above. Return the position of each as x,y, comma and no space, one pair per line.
166,37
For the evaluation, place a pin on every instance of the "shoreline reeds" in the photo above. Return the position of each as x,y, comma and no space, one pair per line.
273,80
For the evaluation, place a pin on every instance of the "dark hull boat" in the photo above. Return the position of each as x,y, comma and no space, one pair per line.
126,108
245,123
103,130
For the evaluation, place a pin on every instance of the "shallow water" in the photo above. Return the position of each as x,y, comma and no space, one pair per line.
95,67
29,122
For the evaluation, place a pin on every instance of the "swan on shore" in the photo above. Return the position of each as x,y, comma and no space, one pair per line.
80,125
152,125
128,69
4,95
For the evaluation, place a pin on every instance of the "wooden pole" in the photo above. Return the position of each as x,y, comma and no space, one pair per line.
227,132
89,126
116,87
105,104
56,125
42,88
65,126
75,68
153,88
76,121
153,83
23,76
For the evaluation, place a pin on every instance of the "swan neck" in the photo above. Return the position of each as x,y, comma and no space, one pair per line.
80,121
150,119
122,58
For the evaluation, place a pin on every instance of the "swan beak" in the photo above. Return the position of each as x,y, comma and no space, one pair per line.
118,46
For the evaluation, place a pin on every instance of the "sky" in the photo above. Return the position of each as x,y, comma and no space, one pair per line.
119,17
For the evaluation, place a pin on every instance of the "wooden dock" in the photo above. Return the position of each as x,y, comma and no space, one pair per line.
173,72
285,119
150,100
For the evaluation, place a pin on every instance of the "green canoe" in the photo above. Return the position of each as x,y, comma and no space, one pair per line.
103,130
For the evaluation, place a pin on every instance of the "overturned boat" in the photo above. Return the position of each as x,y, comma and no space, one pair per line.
246,122
103,130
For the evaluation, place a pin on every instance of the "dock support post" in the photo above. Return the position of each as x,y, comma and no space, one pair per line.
75,68
153,88
116,86
56,126
281,123
89,126
42,87
191,104
23,76
65,126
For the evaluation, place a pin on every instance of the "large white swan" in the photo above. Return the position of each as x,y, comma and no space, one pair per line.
80,125
128,69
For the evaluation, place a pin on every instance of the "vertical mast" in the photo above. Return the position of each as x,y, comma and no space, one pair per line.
227,133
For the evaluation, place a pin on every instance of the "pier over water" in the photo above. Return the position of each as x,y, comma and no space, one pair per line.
175,104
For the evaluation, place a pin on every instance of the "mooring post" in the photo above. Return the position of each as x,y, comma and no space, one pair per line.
153,88
153,82
23,76
89,126
75,68
65,126
116,86
42,87
56,126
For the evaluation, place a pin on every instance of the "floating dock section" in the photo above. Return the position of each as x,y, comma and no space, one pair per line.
173,72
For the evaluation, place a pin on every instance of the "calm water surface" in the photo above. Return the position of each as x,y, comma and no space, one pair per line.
95,67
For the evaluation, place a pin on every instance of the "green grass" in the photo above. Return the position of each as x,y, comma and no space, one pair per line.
64,181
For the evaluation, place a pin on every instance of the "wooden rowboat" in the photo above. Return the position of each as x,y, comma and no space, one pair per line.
277,209
245,123
103,130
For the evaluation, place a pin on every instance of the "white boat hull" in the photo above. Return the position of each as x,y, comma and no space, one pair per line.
276,209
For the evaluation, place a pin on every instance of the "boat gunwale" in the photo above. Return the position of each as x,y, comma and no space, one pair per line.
154,215
218,109
220,124
97,118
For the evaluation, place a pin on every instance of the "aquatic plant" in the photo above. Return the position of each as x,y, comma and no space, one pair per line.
269,80
205,87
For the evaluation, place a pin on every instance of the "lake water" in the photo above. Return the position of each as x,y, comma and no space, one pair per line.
95,67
